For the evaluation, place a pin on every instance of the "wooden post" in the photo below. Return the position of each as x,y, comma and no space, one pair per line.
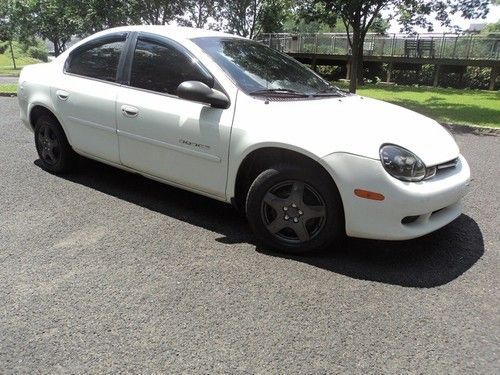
389,73
493,77
469,47
393,47
461,78
455,48
348,75
314,64
443,42
437,68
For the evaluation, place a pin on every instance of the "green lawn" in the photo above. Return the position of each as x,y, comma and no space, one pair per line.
6,66
7,88
464,107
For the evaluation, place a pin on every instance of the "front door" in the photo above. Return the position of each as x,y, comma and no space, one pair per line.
162,135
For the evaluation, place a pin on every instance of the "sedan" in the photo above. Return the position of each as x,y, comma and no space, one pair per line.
237,121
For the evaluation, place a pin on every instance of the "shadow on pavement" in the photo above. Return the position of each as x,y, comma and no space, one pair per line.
427,262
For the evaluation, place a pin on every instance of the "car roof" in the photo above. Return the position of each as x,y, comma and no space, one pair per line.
173,32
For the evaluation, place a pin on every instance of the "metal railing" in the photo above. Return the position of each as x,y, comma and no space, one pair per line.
431,46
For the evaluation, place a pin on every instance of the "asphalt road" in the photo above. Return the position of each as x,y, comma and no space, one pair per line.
105,271
7,79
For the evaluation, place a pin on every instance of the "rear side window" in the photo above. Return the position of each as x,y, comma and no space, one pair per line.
99,60
162,68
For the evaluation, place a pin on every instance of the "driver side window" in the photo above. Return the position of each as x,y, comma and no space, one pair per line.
162,68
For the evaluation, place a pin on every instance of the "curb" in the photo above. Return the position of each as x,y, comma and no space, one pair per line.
472,129
8,94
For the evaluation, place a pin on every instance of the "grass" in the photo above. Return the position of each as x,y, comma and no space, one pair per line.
8,88
6,66
451,106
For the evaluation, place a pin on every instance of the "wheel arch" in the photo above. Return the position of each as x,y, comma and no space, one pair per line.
258,159
38,110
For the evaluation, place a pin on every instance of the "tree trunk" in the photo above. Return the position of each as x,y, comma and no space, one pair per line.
56,48
356,59
360,67
12,55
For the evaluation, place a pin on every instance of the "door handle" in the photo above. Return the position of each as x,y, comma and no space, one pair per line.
63,95
130,111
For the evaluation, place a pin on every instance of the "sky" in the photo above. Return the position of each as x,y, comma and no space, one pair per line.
464,24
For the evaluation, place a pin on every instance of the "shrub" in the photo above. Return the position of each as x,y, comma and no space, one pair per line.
39,53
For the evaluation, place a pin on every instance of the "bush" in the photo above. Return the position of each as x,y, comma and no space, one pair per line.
38,53
472,77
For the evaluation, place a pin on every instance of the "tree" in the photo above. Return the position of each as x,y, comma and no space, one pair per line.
358,16
380,25
492,28
273,15
103,14
248,18
240,16
156,12
198,12
54,20
7,28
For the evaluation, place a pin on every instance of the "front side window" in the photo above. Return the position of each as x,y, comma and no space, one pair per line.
98,61
162,68
255,67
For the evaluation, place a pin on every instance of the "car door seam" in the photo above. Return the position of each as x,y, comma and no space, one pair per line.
229,142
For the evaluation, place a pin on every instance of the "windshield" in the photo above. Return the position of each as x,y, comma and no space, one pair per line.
258,69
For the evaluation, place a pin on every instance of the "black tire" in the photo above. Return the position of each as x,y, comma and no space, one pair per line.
54,151
274,202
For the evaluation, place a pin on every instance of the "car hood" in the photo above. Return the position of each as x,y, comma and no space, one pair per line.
356,125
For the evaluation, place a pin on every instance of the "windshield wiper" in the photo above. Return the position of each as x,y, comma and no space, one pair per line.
279,92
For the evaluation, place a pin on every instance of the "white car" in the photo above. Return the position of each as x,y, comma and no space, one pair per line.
237,121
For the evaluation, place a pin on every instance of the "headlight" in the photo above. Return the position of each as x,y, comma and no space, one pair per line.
402,164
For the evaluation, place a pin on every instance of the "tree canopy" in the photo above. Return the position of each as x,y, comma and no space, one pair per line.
59,20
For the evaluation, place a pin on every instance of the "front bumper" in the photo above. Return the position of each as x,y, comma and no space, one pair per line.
409,209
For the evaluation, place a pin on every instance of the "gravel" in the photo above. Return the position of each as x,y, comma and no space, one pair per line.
106,271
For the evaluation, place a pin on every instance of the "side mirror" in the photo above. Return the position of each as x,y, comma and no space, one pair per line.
200,92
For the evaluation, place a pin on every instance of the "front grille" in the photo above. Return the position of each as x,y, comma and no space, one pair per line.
436,169
450,164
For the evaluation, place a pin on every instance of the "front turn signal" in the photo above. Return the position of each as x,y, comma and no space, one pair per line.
369,195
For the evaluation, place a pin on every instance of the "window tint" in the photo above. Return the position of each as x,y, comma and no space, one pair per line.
254,66
98,61
162,68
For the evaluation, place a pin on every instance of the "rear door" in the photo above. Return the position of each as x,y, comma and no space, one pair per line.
85,96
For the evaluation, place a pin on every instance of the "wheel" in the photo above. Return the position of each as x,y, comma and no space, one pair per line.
295,210
56,155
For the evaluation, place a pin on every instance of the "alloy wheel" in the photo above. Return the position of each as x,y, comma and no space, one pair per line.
293,211
48,145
